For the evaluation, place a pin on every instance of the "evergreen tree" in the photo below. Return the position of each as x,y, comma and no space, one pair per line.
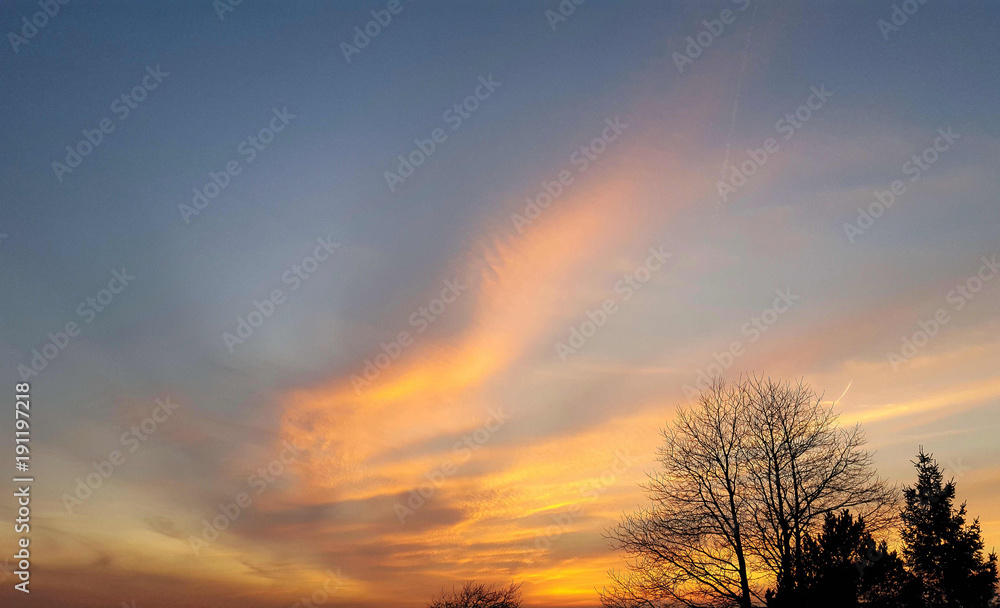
940,550
843,567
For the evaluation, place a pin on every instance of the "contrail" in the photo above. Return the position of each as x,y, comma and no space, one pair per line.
739,91
834,402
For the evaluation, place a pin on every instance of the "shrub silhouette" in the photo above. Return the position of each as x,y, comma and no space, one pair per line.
843,567
479,595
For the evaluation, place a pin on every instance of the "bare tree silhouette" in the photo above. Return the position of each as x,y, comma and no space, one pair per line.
803,466
746,474
479,595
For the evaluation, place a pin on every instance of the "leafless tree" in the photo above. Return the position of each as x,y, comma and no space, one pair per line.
479,595
746,473
802,465
687,548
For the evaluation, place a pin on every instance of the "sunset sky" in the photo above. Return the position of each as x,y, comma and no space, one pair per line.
544,346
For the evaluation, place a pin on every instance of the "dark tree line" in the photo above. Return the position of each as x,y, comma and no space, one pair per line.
762,499
943,562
